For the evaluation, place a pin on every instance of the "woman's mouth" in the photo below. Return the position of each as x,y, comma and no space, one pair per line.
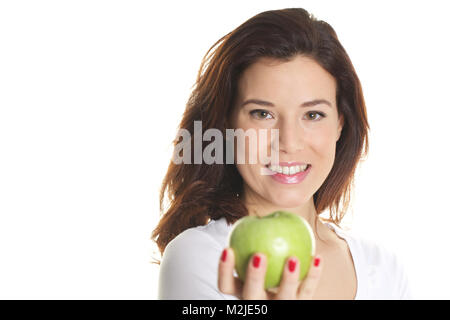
290,174
288,170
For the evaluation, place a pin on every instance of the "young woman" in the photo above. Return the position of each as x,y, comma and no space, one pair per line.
284,70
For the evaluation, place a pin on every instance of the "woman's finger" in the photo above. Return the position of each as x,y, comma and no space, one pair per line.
290,280
309,284
254,279
227,282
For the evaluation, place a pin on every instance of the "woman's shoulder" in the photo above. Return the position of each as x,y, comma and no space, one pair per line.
213,234
372,250
189,264
378,263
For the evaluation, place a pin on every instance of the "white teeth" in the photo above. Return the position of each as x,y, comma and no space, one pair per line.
288,170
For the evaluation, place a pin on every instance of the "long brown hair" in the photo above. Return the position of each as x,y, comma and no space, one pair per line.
199,192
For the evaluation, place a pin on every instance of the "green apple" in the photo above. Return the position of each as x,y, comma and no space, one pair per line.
278,236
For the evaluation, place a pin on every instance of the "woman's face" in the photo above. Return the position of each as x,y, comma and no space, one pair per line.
307,131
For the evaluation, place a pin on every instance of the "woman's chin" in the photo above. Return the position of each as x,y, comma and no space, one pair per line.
288,201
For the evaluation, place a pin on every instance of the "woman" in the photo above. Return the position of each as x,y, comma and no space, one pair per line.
283,70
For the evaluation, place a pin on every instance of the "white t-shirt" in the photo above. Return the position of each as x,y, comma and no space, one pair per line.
189,266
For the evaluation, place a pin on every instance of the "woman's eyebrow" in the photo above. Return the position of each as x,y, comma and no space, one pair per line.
270,104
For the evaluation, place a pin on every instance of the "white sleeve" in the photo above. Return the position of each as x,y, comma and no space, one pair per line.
386,275
189,268
397,283
402,289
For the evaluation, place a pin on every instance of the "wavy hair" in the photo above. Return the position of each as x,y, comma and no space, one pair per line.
197,193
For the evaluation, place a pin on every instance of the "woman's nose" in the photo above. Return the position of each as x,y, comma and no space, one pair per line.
290,137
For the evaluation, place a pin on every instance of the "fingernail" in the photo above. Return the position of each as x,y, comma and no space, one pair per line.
256,261
292,264
224,255
316,262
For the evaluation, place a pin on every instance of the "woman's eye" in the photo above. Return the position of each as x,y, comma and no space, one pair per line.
315,118
260,114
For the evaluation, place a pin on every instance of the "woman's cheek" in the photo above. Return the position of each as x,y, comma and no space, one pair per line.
326,152
247,150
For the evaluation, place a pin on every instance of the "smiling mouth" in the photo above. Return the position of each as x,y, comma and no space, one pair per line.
288,170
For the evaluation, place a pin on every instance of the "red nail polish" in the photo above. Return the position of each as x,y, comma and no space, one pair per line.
316,262
291,265
256,261
224,255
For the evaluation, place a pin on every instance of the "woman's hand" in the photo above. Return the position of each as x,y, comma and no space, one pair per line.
253,289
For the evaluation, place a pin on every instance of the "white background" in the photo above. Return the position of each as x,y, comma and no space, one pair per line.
91,93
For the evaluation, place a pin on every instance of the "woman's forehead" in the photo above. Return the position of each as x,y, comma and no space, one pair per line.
301,78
